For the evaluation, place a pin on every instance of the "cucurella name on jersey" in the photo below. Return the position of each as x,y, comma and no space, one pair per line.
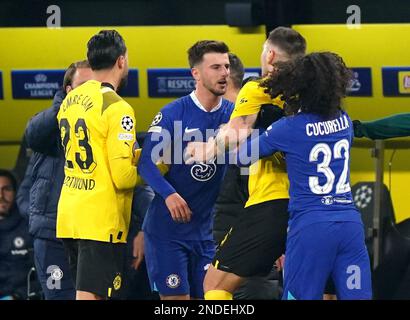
327,127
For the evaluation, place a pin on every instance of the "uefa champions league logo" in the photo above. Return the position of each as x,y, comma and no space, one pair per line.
127,123
363,196
40,77
157,119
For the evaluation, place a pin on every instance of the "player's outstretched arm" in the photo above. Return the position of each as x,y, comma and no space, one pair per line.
272,140
385,128
228,138
243,118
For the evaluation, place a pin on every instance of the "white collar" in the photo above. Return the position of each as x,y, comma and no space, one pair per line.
200,106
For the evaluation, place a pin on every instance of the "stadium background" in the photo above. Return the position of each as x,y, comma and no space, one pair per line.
32,46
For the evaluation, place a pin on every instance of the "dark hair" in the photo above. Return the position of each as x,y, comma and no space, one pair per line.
199,49
236,70
69,74
315,83
10,176
288,40
104,49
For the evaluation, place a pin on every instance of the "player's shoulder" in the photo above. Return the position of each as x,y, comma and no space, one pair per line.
252,92
174,108
110,98
286,123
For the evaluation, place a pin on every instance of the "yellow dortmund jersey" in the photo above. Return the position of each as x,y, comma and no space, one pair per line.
97,132
268,179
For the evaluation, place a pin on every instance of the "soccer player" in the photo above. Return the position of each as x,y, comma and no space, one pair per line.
233,195
178,226
326,235
258,237
98,133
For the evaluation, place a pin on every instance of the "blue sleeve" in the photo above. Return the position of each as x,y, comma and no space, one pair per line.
42,132
159,137
23,194
266,144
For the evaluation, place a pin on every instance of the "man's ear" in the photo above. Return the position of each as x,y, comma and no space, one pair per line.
195,74
68,89
121,62
270,57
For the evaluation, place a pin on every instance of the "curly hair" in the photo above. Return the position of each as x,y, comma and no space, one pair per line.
315,83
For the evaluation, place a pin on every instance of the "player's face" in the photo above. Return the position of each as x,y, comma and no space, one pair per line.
81,75
7,195
213,72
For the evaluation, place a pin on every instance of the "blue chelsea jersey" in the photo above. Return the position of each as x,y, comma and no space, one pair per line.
179,122
317,154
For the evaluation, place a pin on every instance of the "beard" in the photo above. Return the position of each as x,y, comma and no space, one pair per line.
4,208
123,83
215,91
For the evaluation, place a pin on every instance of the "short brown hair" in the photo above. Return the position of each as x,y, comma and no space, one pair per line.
236,70
69,74
199,49
288,40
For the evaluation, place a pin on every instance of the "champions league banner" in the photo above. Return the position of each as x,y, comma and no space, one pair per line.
36,84
169,83
43,84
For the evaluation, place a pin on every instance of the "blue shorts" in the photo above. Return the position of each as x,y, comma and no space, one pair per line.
177,267
323,250
53,270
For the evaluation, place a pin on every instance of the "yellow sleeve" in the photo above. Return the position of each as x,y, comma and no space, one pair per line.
250,99
120,142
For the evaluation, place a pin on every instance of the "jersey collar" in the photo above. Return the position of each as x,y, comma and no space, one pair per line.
200,106
107,84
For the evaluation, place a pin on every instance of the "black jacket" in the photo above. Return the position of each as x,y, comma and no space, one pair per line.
15,255
40,191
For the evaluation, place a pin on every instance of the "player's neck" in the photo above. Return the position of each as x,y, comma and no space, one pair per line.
207,99
107,76
231,95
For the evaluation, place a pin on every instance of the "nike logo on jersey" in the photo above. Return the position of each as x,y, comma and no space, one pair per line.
190,130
